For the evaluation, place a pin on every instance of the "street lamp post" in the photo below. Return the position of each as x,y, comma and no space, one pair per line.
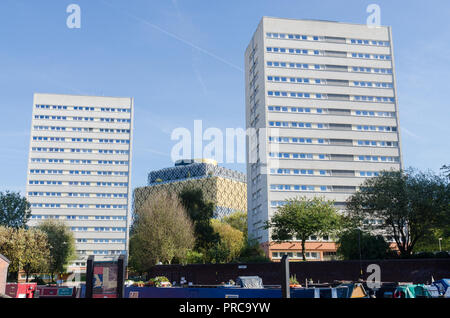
440,246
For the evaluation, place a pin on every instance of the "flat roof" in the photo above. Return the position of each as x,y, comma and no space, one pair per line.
318,20
80,95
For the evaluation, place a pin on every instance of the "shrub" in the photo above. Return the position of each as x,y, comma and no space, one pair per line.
424,255
442,254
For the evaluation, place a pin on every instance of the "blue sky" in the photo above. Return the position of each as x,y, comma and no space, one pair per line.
182,60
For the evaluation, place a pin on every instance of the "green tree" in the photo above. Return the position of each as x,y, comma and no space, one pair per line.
231,241
434,241
140,260
161,232
410,204
252,253
200,212
61,245
14,210
10,247
193,257
446,171
352,242
26,249
36,254
302,217
237,220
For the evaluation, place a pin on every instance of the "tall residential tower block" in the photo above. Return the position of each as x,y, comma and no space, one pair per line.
79,169
322,99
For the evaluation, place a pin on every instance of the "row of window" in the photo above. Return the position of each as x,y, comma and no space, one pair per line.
297,125
299,156
330,111
275,204
310,188
297,255
376,128
96,217
64,139
73,195
83,129
325,39
286,155
98,229
78,217
82,162
322,53
340,68
80,150
296,140
377,99
78,206
84,108
108,252
102,241
373,113
320,141
79,172
311,172
79,183
373,84
298,171
385,57
374,143
107,120
319,81
377,158
286,124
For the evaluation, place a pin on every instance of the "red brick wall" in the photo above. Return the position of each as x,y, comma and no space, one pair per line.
294,247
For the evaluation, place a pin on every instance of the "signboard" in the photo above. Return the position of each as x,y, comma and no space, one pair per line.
11,290
133,294
21,290
65,292
52,291
104,279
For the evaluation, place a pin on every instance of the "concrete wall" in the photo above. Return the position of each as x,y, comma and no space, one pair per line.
4,264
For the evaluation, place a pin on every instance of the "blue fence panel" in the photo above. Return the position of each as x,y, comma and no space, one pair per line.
153,292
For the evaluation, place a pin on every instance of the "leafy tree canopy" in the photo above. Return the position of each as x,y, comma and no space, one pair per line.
26,249
302,217
162,232
61,244
231,241
14,210
237,220
409,203
200,212
354,241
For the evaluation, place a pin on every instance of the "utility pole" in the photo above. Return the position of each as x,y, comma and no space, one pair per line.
285,289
